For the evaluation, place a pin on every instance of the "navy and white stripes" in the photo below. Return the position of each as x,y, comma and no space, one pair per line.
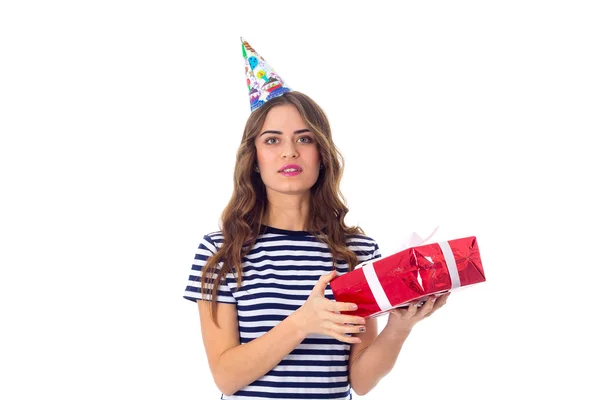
279,273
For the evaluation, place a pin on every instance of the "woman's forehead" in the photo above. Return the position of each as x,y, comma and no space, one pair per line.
284,115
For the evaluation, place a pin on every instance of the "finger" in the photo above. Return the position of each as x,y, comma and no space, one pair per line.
341,306
405,309
342,338
346,319
321,285
439,303
406,312
427,307
397,312
344,328
437,306
443,299
412,309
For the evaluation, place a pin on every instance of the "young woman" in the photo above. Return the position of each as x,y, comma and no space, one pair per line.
270,326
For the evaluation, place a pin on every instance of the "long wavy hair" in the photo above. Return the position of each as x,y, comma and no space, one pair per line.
241,219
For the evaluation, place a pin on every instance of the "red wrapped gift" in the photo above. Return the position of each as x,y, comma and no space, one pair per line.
385,283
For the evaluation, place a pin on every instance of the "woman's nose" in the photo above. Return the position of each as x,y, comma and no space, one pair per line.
289,150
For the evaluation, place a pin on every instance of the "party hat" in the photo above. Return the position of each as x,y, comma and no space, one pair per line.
263,83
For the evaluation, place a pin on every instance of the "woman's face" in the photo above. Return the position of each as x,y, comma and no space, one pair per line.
284,142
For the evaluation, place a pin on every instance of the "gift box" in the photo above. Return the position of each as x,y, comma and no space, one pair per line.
380,285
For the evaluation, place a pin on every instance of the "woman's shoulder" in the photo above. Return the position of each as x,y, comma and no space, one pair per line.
362,245
360,238
214,235
213,239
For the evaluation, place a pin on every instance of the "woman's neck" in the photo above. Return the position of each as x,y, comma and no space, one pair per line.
288,212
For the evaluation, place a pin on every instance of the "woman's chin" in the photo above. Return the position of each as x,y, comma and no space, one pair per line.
292,190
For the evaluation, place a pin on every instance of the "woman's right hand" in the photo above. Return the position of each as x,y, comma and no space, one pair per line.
318,315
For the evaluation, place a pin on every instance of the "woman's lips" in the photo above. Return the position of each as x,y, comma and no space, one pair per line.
293,169
294,173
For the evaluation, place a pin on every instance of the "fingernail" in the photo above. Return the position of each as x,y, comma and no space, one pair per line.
362,329
354,307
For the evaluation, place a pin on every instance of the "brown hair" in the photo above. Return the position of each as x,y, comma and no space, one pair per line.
242,217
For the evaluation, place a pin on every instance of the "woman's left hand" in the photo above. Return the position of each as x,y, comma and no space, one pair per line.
403,319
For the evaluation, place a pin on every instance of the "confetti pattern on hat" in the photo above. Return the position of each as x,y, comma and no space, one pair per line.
263,83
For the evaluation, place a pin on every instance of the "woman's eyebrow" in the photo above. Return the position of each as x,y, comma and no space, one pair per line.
280,133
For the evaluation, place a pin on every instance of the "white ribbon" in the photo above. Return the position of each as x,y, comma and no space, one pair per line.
383,302
451,264
373,281
415,240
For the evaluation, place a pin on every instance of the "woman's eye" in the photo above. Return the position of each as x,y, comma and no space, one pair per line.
305,139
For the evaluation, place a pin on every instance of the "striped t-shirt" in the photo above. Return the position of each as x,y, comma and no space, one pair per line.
279,274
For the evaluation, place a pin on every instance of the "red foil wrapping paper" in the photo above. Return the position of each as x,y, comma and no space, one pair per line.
409,275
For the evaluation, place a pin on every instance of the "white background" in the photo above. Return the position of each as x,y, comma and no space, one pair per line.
119,124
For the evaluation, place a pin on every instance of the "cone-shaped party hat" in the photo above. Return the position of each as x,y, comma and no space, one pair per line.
263,83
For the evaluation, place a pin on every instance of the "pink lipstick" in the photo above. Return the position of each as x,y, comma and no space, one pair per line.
290,170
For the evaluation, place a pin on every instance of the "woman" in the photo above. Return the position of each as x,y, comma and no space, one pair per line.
270,325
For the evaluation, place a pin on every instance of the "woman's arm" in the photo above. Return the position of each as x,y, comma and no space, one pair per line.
235,366
370,364
375,361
